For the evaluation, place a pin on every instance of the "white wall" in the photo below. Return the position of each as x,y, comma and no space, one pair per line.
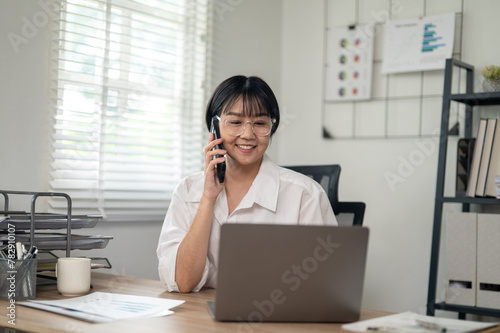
400,219
247,41
22,98
282,41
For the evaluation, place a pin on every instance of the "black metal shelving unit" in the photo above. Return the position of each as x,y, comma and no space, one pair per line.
470,100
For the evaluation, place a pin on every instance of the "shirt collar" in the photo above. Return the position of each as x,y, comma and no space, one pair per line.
264,190
265,187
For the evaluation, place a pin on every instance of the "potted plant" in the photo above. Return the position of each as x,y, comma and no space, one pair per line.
491,76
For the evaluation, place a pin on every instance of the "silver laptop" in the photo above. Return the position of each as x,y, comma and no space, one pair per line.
290,273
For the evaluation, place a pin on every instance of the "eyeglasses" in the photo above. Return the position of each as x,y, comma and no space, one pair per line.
234,126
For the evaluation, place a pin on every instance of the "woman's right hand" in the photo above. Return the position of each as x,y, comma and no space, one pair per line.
212,186
193,249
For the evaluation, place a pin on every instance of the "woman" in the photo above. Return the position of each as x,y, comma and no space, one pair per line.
254,189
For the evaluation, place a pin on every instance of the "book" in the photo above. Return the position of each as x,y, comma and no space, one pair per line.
476,158
498,186
485,156
465,149
494,168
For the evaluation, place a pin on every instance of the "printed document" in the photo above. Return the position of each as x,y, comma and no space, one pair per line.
100,307
410,322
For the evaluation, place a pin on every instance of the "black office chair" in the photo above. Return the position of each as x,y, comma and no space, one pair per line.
328,177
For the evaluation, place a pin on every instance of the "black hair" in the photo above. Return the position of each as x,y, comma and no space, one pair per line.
255,94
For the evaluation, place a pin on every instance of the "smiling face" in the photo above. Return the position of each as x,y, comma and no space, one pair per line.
246,99
246,149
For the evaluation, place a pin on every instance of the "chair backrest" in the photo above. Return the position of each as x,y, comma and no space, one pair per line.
328,177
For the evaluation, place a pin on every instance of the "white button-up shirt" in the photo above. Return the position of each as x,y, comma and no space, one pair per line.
277,195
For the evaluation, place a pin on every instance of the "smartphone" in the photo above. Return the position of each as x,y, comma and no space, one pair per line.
221,167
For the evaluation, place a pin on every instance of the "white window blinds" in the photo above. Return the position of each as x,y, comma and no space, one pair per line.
127,96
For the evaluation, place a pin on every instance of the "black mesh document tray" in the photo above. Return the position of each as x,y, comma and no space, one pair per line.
57,241
49,221
49,264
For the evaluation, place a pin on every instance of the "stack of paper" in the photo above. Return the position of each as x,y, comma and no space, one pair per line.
410,322
101,307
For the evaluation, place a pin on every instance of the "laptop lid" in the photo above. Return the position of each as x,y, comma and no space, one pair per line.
292,273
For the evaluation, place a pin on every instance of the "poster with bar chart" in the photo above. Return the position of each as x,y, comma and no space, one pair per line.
349,63
418,44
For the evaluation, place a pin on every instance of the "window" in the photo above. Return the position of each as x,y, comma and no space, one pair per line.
127,102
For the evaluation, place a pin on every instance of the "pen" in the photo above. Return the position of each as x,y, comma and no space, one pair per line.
380,328
430,326
35,252
31,253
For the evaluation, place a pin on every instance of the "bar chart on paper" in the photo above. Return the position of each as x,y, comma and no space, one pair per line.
431,40
418,44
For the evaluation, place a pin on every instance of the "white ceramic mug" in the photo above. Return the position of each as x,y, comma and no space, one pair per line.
73,276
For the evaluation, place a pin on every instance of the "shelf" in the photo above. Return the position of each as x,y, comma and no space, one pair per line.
470,99
488,98
470,200
468,309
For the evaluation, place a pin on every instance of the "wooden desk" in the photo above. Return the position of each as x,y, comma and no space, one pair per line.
192,316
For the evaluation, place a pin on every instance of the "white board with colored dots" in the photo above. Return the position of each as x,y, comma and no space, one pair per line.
349,63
